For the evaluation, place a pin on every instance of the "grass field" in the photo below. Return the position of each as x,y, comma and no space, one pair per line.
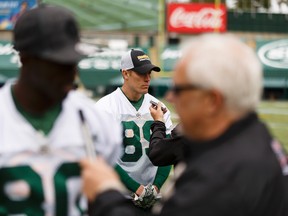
274,114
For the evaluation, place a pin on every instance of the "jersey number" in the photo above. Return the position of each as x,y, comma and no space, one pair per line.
135,140
33,204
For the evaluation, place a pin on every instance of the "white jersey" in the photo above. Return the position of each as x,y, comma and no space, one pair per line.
40,175
136,124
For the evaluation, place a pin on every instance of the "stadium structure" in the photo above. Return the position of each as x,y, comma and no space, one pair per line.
110,28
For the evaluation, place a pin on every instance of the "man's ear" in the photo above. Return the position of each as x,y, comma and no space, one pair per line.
125,74
215,102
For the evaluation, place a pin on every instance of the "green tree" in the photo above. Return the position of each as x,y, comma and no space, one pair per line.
242,4
256,4
207,1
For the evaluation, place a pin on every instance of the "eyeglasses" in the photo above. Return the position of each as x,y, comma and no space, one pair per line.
177,89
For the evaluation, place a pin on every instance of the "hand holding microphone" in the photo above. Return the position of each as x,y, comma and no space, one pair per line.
157,111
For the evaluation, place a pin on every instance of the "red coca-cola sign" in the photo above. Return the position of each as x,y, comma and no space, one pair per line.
196,18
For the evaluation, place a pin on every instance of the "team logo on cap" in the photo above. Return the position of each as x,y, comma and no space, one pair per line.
143,58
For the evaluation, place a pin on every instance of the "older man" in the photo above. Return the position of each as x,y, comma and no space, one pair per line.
232,165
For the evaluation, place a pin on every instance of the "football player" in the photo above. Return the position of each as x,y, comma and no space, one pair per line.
130,105
45,126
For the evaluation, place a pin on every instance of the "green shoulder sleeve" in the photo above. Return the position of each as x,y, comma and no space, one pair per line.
161,176
127,180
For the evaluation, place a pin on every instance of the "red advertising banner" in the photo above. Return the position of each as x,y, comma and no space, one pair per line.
196,18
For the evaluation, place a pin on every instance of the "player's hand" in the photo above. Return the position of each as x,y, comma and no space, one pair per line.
156,112
156,189
98,177
147,198
140,191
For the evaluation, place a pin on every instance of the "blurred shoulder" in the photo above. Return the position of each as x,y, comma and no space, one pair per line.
79,98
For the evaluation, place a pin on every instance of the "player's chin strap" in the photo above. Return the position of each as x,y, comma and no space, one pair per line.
89,145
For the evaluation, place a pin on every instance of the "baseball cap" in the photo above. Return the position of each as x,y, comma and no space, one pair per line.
137,61
48,32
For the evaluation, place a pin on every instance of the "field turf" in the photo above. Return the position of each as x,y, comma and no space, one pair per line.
273,113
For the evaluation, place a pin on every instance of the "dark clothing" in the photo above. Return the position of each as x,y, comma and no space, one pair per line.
237,174
165,151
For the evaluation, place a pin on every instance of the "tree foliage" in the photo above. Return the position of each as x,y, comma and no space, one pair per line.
242,4
207,1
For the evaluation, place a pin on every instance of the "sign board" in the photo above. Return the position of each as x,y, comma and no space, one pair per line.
9,58
99,68
102,66
106,59
10,10
274,53
196,18
169,57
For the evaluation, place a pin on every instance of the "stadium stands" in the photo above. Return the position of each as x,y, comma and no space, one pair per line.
124,15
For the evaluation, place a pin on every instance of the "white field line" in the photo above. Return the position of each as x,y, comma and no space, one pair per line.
276,104
283,126
275,111
279,126
260,111
272,111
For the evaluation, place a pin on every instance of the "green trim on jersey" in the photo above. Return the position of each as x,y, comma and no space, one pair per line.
140,133
135,104
130,183
162,173
161,176
44,122
33,204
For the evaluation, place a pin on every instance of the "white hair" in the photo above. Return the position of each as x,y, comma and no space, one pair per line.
223,62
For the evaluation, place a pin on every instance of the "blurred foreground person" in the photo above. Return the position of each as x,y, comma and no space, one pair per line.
44,124
232,165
